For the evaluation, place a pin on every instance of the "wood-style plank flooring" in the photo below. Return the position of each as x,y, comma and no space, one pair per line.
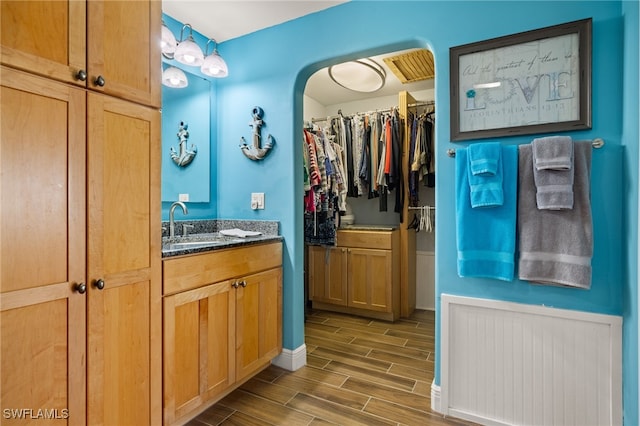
359,372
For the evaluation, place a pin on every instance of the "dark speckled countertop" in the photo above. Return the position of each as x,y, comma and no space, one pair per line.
367,228
205,235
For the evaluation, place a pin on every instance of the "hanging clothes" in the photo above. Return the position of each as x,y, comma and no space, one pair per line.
369,146
397,142
430,181
325,189
421,158
412,179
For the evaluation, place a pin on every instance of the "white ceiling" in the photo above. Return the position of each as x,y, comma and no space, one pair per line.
223,20
226,19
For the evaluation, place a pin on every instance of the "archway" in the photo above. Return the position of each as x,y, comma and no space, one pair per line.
308,110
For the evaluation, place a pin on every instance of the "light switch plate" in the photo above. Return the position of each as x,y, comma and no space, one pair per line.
183,197
257,200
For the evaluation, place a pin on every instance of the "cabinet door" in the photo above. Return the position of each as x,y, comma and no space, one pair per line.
124,296
199,347
370,279
258,321
42,246
44,37
328,275
124,49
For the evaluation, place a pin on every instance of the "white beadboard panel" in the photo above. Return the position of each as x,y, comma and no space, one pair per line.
515,364
425,280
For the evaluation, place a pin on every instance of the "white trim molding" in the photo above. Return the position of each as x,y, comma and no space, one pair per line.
435,397
291,360
505,363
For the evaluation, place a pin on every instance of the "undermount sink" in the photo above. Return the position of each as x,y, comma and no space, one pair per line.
199,240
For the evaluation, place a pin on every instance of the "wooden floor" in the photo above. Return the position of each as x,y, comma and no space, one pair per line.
359,372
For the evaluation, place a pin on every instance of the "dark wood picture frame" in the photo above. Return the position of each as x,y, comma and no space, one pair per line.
523,83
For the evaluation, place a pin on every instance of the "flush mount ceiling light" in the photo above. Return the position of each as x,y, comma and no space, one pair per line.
188,52
174,77
362,75
214,65
168,43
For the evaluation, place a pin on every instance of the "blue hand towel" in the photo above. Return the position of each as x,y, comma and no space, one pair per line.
485,174
555,246
553,172
486,238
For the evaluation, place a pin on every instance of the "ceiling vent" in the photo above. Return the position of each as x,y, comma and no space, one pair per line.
412,66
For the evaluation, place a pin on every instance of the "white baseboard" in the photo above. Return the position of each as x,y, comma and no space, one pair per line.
435,397
291,360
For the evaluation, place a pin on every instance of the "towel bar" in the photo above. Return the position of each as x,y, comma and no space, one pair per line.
596,143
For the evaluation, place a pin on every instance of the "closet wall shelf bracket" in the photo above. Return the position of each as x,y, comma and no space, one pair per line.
596,143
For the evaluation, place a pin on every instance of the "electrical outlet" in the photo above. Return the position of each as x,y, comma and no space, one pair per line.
257,200
183,197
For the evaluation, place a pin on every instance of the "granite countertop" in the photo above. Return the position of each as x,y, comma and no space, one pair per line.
205,236
367,228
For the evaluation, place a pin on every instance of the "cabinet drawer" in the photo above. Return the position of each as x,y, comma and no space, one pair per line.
382,240
200,269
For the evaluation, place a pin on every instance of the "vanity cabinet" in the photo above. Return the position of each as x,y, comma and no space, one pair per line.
100,45
360,275
80,271
221,327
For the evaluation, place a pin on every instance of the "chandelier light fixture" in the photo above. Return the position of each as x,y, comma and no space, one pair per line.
188,52
168,43
174,77
214,65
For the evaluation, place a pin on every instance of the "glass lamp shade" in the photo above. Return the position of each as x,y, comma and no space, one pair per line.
174,77
168,43
215,66
189,53
363,75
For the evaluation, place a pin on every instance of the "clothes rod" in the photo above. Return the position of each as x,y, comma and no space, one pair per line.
417,104
420,208
331,117
596,143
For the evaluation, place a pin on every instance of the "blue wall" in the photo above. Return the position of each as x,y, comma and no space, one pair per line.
269,68
630,139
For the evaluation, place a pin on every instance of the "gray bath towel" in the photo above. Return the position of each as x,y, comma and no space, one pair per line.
552,152
555,246
553,172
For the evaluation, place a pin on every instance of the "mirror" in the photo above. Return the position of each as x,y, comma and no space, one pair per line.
185,167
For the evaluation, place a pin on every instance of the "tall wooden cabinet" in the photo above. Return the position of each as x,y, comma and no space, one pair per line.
43,248
107,46
124,263
80,278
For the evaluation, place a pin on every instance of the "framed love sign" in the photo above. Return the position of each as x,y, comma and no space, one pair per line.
532,82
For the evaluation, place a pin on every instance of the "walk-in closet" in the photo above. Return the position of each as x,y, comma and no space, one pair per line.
369,201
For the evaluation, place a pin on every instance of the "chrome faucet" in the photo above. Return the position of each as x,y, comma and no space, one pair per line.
172,225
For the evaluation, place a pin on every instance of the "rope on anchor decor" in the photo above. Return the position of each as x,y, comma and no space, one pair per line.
256,152
184,156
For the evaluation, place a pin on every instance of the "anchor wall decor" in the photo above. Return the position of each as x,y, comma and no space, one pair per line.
256,152
184,157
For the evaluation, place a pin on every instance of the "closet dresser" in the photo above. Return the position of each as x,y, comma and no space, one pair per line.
80,271
360,275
